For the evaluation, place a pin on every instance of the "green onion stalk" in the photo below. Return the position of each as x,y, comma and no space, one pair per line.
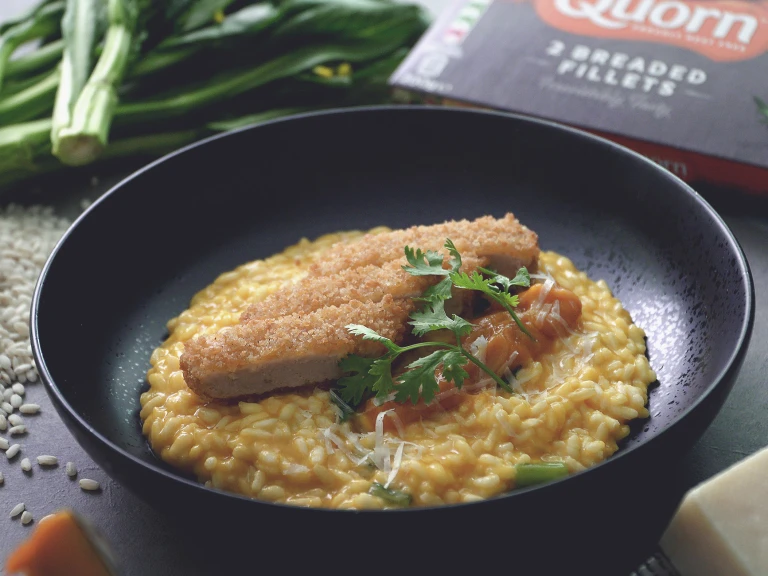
144,68
42,22
84,137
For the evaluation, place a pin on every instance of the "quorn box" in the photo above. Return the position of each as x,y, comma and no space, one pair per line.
684,82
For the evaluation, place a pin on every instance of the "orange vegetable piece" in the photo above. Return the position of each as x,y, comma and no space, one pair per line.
504,338
60,546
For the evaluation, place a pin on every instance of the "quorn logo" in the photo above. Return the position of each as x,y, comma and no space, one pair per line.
721,30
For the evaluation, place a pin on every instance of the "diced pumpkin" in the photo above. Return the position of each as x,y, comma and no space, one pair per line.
61,545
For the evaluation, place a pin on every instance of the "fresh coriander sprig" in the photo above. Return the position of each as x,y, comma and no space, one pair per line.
374,375
488,287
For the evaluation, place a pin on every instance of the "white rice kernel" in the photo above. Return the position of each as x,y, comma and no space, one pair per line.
71,469
16,401
18,430
26,465
29,408
12,451
46,460
26,518
18,509
89,485
15,420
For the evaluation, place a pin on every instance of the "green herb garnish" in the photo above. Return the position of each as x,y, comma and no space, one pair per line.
392,496
539,473
366,376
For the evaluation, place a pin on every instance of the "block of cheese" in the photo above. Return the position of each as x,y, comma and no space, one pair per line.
721,527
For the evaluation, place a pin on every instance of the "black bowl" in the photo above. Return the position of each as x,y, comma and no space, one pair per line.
135,258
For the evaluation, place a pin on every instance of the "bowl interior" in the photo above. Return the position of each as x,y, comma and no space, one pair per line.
135,259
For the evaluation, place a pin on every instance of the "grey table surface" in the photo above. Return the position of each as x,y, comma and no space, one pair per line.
147,543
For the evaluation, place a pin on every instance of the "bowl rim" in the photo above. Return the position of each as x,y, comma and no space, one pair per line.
729,370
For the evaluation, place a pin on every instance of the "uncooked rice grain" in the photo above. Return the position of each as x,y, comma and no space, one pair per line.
26,518
29,408
3,422
15,420
18,430
71,469
7,407
16,401
18,509
88,484
27,235
4,445
12,451
46,460
7,393
19,388
26,465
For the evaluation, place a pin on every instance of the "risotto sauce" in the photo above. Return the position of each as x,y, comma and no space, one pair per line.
571,404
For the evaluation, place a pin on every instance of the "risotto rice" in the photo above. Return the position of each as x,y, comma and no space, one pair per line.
571,405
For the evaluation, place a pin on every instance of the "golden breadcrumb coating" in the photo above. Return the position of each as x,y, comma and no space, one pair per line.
321,333
483,237
366,283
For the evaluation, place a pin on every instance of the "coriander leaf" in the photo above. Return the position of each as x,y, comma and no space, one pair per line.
485,285
429,263
474,282
420,379
453,367
455,260
433,317
440,291
353,388
762,107
512,299
522,278
368,334
381,370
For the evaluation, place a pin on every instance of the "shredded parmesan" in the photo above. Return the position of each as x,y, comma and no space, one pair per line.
396,466
381,452
478,347
546,288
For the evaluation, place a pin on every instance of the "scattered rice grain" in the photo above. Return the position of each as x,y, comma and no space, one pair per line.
26,518
27,234
3,422
26,465
71,469
16,401
6,407
18,509
89,485
19,388
18,430
46,460
15,420
4,445
29,408
12,451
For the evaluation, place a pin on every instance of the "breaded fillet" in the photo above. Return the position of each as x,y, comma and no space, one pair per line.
504,242
297,336
367,284
258,357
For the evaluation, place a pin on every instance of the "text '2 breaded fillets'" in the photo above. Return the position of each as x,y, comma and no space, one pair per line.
297,336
